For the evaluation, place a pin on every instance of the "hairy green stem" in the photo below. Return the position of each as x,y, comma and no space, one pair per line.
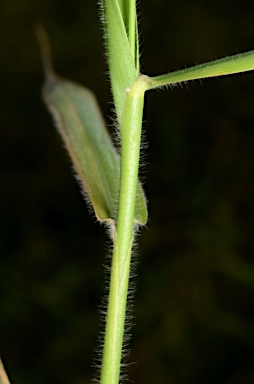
115,319
123,237
130,129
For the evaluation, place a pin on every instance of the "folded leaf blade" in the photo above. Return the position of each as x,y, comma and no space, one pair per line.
96,160
123,65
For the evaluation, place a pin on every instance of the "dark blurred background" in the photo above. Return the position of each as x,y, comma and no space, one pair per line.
194,307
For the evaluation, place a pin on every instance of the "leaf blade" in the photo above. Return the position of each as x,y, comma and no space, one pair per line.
123,66
241,62
90,147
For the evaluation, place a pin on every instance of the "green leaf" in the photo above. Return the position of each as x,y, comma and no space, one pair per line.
241,62
96,160
129,15
121,46
82,128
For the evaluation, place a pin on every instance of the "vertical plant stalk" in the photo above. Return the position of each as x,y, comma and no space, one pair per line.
130,132
131,127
